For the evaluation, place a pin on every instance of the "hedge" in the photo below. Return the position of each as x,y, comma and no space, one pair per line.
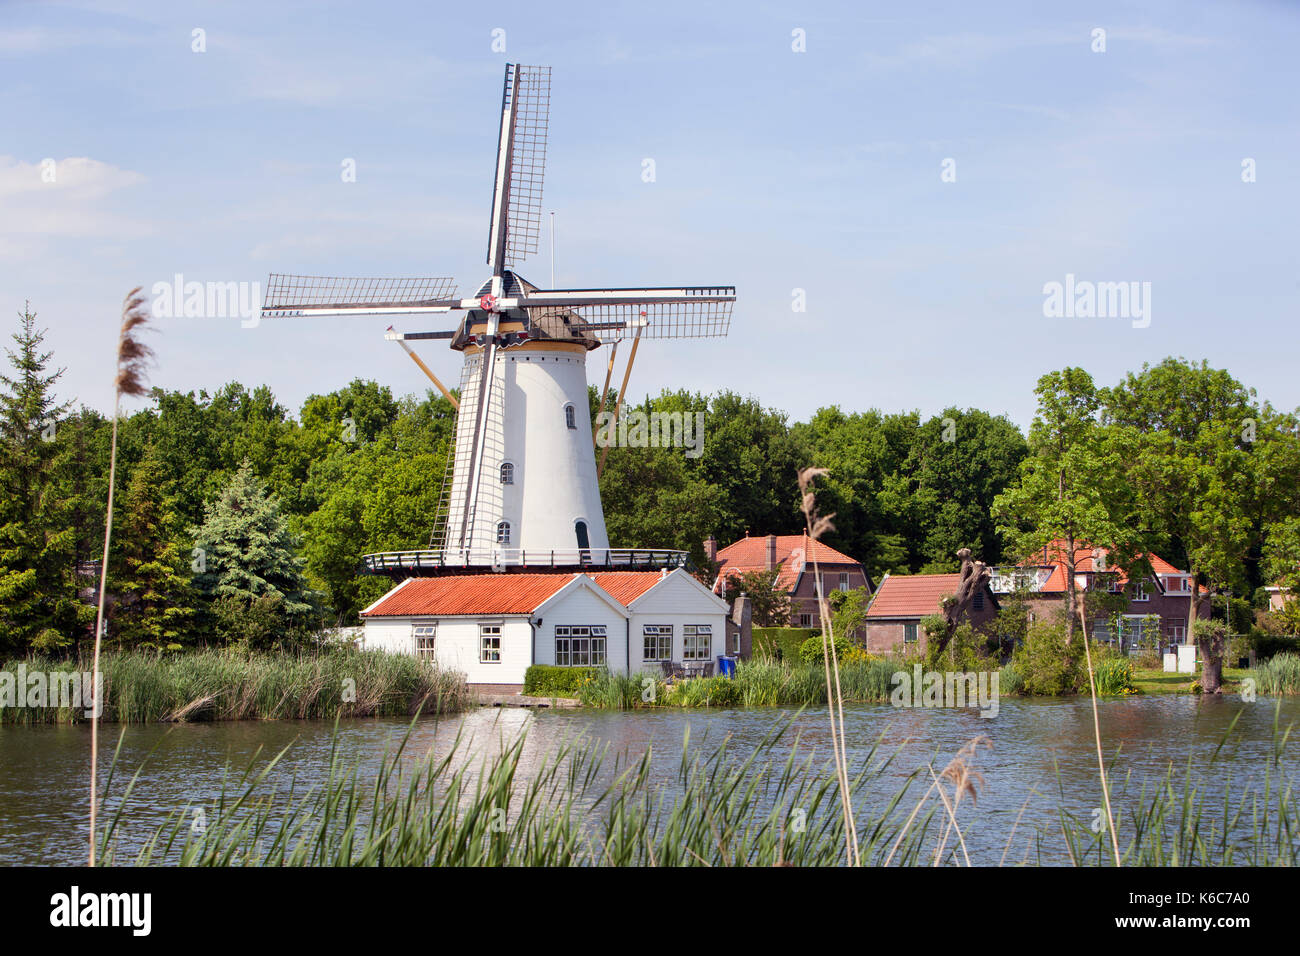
781,642
544,680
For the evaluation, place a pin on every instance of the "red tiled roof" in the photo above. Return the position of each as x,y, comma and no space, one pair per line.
626,586
912,595
793,552
1084,563
472,594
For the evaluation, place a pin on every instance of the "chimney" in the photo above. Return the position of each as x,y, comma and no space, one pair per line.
769,557
711,548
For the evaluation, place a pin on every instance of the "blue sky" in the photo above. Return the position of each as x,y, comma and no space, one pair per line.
775,170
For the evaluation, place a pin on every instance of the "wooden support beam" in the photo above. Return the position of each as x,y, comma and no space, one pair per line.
429,372
609,371
622,397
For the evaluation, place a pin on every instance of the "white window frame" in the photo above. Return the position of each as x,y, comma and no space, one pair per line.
581,645
844,580
489,643
425,633
692,650
1175,629
914,630
507,473
1140,593
1177,584
503,532
653,638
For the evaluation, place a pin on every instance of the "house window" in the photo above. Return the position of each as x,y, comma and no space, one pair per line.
425,636
1176,628
580,646
489,643
569,417
657,642
1176,585
1112,583
978,602
1140,591
507,473
909,633
697,642
503,532
844,580
805,620
1102,632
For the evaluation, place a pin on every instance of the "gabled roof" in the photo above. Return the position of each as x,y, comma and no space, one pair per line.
911,595
793,553
477,594
1085,562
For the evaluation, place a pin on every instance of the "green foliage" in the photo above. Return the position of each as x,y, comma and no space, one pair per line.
1046,664
1114,677
781,643
543,680
968,650
813,650
770,603
1278,675
231,685
251,569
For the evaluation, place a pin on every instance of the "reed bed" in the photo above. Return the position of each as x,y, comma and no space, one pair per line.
582,806
228,685
1279,674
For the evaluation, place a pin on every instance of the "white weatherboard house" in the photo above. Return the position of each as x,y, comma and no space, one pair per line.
492,627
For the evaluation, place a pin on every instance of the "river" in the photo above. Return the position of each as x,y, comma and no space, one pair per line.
1035,744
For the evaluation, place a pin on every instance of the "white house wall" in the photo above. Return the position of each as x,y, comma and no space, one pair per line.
583,607
678,600
457,645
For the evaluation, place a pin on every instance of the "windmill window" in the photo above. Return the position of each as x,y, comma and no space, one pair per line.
584,541
569,418
503,532
507,473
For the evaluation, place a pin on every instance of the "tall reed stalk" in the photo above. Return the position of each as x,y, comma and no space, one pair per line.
818,525
132,357
1101,761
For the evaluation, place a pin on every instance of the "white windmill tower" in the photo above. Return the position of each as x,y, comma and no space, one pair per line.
521,486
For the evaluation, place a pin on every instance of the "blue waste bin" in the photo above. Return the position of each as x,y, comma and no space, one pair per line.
726,667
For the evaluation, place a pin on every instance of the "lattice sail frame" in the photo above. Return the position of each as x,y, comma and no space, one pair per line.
676,319
288,294
532,97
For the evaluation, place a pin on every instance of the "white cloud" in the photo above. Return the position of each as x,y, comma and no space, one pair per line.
71,202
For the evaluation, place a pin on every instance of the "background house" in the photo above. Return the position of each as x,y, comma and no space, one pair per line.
1042,582
792,555
899,604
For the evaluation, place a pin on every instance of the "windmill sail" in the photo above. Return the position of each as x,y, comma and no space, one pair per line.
612,314
336,295
516,225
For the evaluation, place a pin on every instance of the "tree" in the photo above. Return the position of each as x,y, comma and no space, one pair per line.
1071,488
149,574
39,608
1190,461
246,552
770,602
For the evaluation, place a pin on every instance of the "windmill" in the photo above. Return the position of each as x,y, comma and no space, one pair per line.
521,485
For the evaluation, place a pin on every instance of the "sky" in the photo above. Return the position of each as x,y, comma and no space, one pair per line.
916,175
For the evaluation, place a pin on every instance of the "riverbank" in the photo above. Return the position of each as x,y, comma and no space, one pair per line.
216,685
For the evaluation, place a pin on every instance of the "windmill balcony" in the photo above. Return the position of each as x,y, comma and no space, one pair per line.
429,562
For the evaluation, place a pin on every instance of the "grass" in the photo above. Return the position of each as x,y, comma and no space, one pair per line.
1157,681
228,685
776,806
1279,674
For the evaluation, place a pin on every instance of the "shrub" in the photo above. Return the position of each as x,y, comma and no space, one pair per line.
781,643
1114,677
1278,675
543,680
1046,664
1009,680
813,650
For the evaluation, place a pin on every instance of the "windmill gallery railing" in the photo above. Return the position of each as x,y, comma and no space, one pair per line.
507,559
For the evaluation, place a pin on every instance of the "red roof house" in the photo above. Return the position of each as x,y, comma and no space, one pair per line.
899,604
